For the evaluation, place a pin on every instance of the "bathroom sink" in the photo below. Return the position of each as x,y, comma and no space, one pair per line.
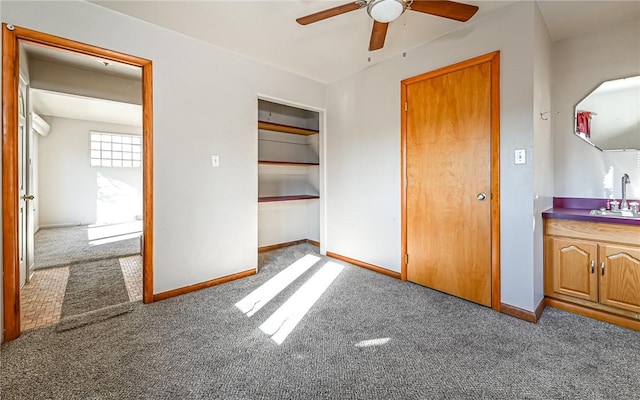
615,214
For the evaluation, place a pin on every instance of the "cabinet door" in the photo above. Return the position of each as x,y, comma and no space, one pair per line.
620,276
573,266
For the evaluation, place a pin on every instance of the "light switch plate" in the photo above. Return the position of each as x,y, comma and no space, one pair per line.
520,156
215,160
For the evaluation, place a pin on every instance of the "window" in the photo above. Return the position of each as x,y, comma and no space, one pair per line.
115,150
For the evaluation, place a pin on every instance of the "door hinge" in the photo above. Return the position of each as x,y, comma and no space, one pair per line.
406,106
406,259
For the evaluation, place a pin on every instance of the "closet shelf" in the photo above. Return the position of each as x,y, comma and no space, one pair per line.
287,198
271,126
304,164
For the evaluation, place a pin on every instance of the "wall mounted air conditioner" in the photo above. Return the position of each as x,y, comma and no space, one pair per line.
40,125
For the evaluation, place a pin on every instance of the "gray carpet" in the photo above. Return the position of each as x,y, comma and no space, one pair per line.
200,346
95,291
56,247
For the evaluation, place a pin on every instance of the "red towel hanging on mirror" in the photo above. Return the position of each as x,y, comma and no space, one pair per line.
583,123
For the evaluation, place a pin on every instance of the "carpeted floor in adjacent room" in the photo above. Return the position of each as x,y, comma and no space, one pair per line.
367,337
56,247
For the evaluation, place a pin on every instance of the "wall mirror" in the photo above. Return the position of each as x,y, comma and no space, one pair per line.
609,117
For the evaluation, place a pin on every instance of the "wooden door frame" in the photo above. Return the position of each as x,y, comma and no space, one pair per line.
11,37
494,59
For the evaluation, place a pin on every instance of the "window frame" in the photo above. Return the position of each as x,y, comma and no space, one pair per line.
115,150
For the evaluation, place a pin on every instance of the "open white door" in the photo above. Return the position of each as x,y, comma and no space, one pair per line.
31,191
25,216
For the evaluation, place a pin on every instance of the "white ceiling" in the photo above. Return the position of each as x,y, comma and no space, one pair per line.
329,50
85,108
569,18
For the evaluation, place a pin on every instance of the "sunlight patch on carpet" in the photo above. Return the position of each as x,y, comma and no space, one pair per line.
257,299
282,322
114,239
372,342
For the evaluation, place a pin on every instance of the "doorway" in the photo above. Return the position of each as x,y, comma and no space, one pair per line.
450,165
288,175
12,245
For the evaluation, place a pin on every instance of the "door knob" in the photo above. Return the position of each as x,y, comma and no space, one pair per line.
481,196
28,197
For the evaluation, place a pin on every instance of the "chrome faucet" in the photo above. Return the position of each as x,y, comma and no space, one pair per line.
624,204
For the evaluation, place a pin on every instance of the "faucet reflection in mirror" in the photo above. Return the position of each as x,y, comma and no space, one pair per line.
609,117
624,205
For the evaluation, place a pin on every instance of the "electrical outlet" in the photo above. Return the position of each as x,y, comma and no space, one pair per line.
215,160
520,156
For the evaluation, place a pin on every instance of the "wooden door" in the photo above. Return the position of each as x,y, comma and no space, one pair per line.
573,265
620,276
448,177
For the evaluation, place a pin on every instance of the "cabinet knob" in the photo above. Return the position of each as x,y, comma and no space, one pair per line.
602,267
593,266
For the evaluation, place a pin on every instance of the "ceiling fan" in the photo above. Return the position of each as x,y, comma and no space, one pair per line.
385,11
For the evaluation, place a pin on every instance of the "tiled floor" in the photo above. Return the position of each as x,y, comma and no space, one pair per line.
132,272
41,299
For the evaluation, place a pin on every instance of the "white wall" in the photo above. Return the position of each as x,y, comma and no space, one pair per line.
363,148
288,221
271,111
205,102
73,192
542,157
580,64
278,146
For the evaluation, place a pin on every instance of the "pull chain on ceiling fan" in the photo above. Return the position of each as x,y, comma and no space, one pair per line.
385,11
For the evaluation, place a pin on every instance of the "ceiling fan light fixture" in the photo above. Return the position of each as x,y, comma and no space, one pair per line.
386,10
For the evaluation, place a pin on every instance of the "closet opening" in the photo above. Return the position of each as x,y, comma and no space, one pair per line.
289,175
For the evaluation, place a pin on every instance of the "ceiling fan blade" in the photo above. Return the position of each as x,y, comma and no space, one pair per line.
378,34
328,13
447,9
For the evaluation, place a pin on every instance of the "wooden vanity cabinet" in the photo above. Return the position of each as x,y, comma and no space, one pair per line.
594,266
619,276
573,265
